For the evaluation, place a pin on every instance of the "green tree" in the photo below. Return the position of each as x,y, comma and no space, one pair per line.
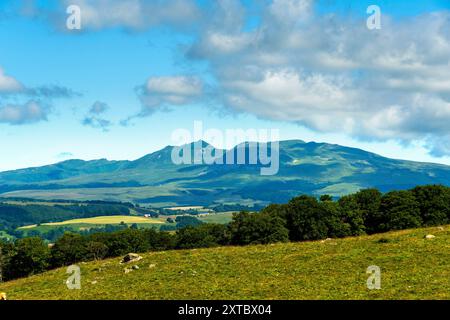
336,218
369,202
96,250
257,228
434,204
202,236
399,210
326,198
69,249
31,256
306,219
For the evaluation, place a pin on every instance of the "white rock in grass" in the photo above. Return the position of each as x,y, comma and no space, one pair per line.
430,236
131,257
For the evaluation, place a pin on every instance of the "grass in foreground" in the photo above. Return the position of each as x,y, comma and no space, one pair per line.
412,268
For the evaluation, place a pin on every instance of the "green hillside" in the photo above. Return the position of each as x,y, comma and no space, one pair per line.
412,268
305,168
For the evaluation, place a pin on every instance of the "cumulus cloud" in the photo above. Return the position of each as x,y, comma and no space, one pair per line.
128,14
18,114
324,71
93,118
8,84
331,74
27,105
164,92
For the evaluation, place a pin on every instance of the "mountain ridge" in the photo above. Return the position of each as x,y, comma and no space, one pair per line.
305,167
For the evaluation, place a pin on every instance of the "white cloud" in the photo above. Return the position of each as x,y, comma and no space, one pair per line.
8,84
134,14
18,114
332,74
163,92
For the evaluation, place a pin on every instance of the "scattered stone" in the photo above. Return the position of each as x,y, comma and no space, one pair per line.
2,296
430,236
131,257
152,266
135,267
94,282
440,228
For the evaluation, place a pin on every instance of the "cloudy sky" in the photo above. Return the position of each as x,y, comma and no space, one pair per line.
138,70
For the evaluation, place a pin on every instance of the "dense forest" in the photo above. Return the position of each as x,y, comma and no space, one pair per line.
303,218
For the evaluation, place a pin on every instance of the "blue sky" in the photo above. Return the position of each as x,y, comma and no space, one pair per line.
309,68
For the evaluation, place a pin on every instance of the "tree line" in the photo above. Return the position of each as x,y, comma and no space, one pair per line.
303,218
13,216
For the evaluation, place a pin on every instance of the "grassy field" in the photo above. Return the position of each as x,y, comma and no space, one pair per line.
220,218
102,221
87,223
411,268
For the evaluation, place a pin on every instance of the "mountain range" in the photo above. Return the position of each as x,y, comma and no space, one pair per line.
311,168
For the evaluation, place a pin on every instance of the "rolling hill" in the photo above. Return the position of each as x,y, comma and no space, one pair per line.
411,268
311,168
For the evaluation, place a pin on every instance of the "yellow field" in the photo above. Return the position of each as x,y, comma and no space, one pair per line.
102,220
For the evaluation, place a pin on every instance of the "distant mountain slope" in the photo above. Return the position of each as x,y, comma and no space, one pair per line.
313,168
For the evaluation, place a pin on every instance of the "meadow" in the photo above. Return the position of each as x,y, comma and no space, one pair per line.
102,220
412,267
